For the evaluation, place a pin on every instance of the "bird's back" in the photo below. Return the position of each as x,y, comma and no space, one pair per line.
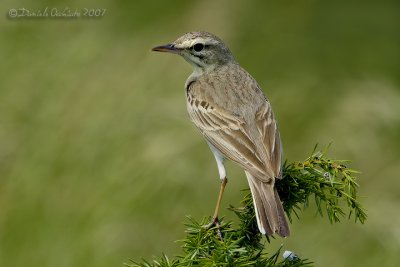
232,93
231,88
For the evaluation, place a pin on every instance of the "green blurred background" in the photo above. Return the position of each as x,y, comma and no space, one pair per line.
99,162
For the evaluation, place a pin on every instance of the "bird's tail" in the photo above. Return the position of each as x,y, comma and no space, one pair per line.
268,208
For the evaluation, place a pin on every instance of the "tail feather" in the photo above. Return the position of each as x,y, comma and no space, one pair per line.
259,209
268,208
283,224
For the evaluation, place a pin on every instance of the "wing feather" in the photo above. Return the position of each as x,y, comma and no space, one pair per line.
228,134
268,128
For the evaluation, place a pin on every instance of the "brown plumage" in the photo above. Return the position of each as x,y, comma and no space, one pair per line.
234,116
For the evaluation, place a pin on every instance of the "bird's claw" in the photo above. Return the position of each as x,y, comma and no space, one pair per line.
215,222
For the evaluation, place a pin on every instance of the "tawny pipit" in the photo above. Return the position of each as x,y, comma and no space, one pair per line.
236,119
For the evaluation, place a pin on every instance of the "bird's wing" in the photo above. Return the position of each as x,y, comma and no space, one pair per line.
268,128
229,134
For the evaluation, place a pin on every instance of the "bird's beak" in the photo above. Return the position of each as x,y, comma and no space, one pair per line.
166,48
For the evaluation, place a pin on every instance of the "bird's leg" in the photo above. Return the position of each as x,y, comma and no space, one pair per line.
222,175
215,221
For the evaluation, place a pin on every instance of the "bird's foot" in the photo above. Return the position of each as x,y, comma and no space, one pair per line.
215,223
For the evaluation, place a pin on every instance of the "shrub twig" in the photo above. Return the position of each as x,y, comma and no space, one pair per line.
330,182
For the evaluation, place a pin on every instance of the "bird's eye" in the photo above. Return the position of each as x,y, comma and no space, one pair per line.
198,47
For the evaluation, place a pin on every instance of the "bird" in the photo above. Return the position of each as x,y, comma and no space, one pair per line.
232,113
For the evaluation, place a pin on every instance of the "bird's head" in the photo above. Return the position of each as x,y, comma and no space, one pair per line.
201,49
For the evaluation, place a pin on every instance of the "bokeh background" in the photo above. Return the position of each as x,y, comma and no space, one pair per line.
99,162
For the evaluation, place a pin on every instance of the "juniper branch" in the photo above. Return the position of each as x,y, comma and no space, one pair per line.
329,181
